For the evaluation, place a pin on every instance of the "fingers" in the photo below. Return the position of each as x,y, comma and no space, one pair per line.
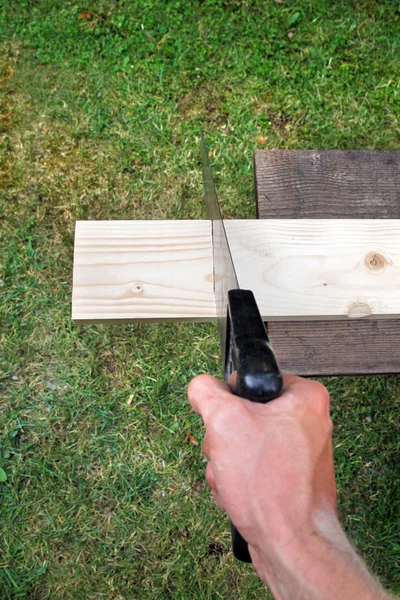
304,390
207,385
211,482
218,500
290,380
210,477
232,382
308,391
206,447
211,398
287,380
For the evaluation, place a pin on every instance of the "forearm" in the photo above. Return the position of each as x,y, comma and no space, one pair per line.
322,565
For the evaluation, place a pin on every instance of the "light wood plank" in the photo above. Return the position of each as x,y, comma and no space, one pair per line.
126,271
298,269
316,269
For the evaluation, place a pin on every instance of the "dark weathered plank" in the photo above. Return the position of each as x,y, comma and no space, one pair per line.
327,184
331,184
337,347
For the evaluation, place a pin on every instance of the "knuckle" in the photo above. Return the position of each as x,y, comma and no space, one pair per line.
210,476
294,401
321,399
316,399
207,445
227,416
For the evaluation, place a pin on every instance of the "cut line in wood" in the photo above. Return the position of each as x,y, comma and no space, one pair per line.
305,269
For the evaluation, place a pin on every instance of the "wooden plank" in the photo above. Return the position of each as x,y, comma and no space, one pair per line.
334,348
327,184
331,184
317,269
307,269
130,270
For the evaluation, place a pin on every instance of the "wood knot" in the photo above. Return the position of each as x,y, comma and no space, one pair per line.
359,309
137,288
375,262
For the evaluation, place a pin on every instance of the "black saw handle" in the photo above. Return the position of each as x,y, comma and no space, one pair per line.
248,352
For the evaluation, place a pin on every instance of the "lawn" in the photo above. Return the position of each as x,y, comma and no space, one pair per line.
101,489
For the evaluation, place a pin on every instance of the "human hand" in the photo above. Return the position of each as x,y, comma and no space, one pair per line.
270,466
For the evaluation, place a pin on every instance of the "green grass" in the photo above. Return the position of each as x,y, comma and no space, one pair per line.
100,112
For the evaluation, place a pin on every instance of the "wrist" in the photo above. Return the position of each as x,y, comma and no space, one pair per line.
314,564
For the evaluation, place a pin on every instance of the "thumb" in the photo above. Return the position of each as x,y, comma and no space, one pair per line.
207,394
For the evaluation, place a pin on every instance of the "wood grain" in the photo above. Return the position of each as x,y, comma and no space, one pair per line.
365,346
131,270
307,269
331,184
316,269
327,184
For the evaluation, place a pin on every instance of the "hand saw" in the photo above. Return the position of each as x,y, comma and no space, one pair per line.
244,340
